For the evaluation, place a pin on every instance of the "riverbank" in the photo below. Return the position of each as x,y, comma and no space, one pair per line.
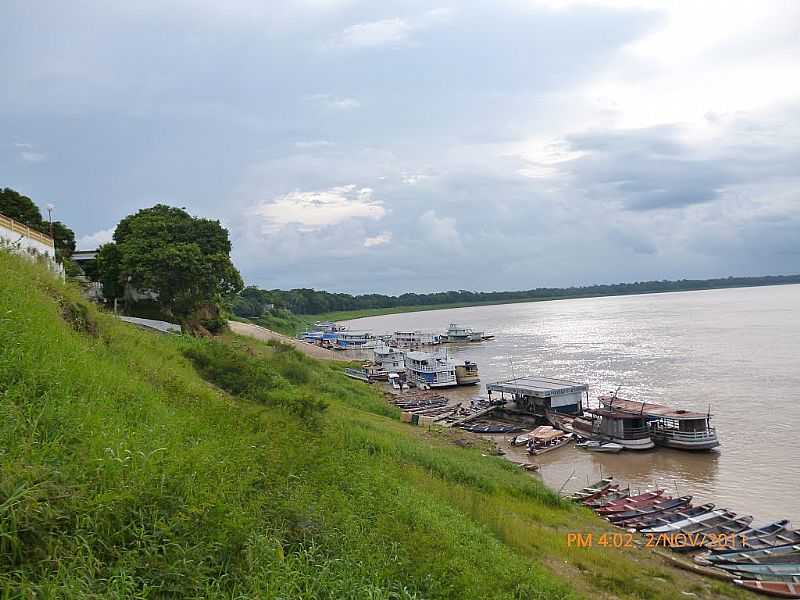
137,464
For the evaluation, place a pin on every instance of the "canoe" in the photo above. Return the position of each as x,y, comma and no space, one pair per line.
753,534
781,569
670,504
640,501
612,494
771,588
678,525
757,542
592,491
669,516
790,553
699,534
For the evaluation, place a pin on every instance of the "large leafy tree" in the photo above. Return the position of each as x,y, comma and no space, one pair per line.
183,259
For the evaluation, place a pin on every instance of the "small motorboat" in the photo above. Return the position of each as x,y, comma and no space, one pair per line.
666,504
779,589
612,494
590,492
596,446
668,516
545,438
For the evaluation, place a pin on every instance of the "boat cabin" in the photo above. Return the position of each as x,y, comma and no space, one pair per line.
541,395
604,424
429,369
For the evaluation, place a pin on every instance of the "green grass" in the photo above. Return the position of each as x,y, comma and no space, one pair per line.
135,465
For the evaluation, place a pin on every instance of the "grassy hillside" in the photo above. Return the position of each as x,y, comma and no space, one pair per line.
134,465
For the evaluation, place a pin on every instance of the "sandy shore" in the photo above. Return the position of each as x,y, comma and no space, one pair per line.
261,333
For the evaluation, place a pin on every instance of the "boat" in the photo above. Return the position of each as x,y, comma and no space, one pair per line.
467,374
792,569
389,358
347,340
641,501
596,446
592,491
394,380
429,369
457,333
757,541
414,339
664,505
610,425
668,516
360,374
689,521
779,589
699,533
612,494
670,427
776,554
545,438
755,534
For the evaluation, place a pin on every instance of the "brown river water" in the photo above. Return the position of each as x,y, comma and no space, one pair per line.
735,350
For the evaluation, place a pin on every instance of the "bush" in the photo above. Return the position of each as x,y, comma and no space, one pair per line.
273,383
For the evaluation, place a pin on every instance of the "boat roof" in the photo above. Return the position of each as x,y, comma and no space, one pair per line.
417,355
614,414
650,409
541,387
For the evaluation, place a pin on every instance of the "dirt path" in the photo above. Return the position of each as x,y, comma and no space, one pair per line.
261,333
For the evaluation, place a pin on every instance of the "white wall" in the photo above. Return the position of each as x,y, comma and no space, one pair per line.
18,242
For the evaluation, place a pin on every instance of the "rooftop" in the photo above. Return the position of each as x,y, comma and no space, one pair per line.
541,387
650,409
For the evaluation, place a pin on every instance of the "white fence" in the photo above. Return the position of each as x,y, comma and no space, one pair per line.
21,239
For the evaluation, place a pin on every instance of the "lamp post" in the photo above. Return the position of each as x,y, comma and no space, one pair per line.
50,208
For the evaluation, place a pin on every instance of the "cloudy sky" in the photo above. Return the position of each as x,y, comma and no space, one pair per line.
395,146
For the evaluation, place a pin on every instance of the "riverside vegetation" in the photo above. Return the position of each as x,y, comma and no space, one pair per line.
134,465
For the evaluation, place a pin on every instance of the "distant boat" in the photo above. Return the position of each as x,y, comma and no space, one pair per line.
467,374
457,333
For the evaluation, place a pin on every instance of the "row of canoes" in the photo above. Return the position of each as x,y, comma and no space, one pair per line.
763,559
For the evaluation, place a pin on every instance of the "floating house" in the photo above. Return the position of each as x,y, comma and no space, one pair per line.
389,358
414,339
674,428
630,430
542,395
430,369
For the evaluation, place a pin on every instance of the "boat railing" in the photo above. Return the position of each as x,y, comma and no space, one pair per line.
707,434
635,433
430,369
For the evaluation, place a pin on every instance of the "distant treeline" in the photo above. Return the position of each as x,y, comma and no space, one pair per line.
253,302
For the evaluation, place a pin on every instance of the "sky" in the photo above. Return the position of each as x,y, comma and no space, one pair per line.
413,146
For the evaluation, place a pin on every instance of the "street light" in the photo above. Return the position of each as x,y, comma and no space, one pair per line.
50,208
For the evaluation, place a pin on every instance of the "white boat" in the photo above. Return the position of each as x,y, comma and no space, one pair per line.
674,428
430,369
414,339
678,525
389,358
457,333
346,340
596,446
609,425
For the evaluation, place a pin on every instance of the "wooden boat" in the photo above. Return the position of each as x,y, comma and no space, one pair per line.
688,522
790,553
546,441
612,494
771,588
698,534
592,491
641,501
668,516
756,533
779,569
757,542
666,504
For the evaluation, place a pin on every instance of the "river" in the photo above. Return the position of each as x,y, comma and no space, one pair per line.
736,351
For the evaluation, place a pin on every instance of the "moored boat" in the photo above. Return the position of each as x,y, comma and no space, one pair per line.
790,553
697,535
779,589
467,374
595,446
688,522
610,495
755,539
665,505
592,491
668,516
430,369
670,427
792,569
609,425
640,501
545,438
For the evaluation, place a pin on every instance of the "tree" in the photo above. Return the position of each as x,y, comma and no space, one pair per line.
23,210
183,259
